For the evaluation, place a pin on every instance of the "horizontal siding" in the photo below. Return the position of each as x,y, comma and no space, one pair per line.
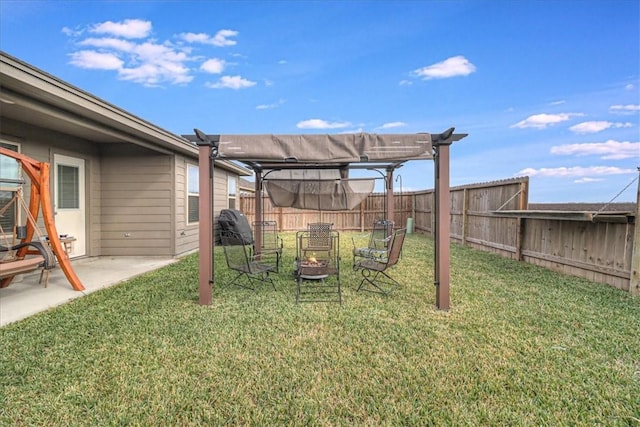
136,212
135,186
142,211
146,202
121,227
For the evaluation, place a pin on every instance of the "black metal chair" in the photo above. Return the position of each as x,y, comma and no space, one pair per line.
319,238
271,243
374,270
318,274
378,243
239,257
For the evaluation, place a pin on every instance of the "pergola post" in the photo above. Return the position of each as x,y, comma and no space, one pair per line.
443,223
390,198
205,215
258,210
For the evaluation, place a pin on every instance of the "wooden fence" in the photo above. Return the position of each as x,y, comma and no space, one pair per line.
606,251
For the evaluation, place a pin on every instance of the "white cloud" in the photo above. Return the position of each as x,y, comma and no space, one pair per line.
609,150
576,171
558,102
129,28
152,64
451,67
270,106
597,126
109,43
141,61
231,82
150,74
630,86
69,32
90,59
405,83
625,109
541,121
392,125
587,180
221,38
321,124
195,38
213,66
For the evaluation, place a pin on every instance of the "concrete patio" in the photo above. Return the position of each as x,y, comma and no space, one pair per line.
26,297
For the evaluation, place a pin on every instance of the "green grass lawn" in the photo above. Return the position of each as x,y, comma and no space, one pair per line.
521,345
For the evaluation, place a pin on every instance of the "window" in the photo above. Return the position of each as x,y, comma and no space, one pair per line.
193,194
233,185
9,170
68,187
9,167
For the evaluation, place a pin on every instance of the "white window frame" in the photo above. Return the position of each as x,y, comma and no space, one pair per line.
12,188
192,190
232,181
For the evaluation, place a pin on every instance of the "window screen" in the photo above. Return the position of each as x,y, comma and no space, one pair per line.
68,187
193,193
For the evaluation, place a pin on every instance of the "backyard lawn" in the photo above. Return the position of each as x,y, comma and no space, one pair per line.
521,345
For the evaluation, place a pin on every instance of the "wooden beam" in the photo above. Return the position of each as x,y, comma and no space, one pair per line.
205,215
40,199
442,227
54,237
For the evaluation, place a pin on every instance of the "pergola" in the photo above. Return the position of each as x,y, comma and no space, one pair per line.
265,154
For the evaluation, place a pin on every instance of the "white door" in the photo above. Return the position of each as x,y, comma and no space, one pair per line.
69,200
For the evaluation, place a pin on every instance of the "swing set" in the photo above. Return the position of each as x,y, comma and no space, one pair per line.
15,260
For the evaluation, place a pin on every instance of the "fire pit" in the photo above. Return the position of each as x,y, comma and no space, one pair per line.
313,270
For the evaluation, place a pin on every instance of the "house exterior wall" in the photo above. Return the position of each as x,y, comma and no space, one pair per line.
220,190
42,144
136,198
186,235
137,194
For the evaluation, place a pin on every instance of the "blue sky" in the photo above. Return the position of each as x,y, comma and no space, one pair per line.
548,89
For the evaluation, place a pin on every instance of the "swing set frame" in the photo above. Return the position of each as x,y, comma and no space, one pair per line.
40,200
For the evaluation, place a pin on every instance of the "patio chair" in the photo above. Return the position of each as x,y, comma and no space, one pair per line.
319,238
239,258
318,275
271,244
378,242
374,270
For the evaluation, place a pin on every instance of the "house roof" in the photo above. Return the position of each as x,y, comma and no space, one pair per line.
32,96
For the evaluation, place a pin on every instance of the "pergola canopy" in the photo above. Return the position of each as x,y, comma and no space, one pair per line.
319,189
291,166
323,149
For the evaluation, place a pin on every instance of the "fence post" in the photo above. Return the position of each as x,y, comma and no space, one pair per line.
465,216
520,222
413,209
634,278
